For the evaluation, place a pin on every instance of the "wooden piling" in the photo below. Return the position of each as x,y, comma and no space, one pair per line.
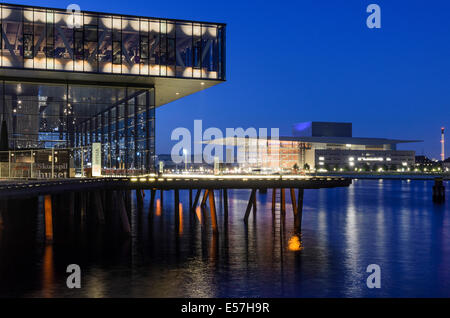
177,201
71,206
190,200
294,206
298,212
254,206
225,204
212,207
99,207
139,200
197,197
274,200
283,202
205,197
250,204
123,213
152,202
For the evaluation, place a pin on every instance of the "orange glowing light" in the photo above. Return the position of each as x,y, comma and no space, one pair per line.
180,228
48,218
295,244
48,277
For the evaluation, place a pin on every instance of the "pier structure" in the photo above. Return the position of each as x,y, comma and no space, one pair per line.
106,200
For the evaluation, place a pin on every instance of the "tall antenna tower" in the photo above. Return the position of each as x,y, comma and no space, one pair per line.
442,144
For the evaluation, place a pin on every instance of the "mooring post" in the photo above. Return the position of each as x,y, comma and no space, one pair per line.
283,202
48,218
190,199
438,190
251,202
161,196
298,212
212,207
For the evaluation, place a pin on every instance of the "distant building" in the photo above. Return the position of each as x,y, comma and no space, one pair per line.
446,164
328,146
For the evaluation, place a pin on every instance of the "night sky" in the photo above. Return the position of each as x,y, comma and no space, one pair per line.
293,61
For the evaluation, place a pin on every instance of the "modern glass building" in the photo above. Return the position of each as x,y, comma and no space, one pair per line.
69,79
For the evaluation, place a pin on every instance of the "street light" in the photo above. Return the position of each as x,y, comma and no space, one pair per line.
185,159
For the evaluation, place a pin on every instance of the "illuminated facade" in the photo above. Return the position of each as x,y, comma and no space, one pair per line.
321,146
68,80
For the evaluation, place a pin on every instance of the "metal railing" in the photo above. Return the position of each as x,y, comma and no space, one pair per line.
54,163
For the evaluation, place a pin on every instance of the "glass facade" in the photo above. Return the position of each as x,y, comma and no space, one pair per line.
66,116
51,39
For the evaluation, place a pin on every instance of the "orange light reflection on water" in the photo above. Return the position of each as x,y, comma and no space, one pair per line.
158,207
180,228
295,244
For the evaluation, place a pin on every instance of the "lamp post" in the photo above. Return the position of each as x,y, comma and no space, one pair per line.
185,159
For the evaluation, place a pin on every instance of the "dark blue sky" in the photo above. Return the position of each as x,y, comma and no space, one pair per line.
292,61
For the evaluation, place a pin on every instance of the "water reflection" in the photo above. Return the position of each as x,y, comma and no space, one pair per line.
178,255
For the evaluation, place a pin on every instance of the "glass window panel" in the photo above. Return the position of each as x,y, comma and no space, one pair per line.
105,44
209,52
64,55
12,39
130,40
154,41
184,52
39,39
